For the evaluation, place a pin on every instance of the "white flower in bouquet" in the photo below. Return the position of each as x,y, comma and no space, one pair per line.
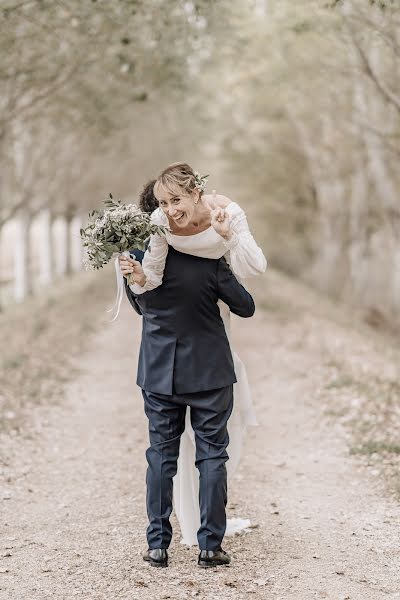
116,229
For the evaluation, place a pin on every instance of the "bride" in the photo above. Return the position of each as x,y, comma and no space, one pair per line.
210,226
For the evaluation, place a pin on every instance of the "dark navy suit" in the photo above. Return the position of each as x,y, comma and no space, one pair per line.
185,360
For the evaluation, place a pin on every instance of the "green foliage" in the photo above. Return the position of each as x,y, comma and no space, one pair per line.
302,26
375,447
119,227
79,78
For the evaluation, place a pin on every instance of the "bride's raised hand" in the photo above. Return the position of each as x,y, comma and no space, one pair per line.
221,223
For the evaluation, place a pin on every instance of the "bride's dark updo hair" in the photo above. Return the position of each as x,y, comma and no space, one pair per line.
176,178
147,200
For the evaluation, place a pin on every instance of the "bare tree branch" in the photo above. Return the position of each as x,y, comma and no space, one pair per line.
12,210
389,96
56,86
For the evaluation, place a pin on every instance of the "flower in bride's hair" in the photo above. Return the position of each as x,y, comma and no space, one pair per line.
200,181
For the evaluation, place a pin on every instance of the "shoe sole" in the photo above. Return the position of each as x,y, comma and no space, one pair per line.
155,564
211,565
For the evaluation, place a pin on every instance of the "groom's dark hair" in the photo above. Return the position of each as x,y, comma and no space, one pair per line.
147,200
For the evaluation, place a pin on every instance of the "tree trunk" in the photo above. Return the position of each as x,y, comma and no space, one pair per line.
22,283
45,245
396,281
358,242
327,271
76,243
69,219
61,245
1,270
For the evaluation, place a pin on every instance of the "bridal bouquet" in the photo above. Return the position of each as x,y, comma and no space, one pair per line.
115,230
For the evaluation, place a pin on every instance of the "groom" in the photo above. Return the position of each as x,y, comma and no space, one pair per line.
185,360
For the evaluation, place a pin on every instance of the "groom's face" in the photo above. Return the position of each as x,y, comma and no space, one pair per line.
178,205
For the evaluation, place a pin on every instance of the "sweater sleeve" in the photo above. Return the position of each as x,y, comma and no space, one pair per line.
154,258
245,257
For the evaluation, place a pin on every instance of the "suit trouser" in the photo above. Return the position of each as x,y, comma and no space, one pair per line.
209,412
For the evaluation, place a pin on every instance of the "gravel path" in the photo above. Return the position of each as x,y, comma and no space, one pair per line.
73,495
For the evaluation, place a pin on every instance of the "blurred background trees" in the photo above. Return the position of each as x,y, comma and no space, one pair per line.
293,109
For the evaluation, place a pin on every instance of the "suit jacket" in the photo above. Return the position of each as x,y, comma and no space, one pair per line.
184,345
138,254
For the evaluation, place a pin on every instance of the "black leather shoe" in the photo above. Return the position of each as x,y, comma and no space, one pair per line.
157,557
213,558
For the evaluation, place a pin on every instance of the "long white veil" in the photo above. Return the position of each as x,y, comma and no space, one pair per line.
186,481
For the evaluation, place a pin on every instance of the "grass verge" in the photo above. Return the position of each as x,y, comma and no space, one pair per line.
41,336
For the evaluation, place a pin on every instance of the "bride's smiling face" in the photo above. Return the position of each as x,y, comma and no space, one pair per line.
179,206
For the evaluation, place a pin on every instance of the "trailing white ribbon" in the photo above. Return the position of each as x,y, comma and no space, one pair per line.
120,284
